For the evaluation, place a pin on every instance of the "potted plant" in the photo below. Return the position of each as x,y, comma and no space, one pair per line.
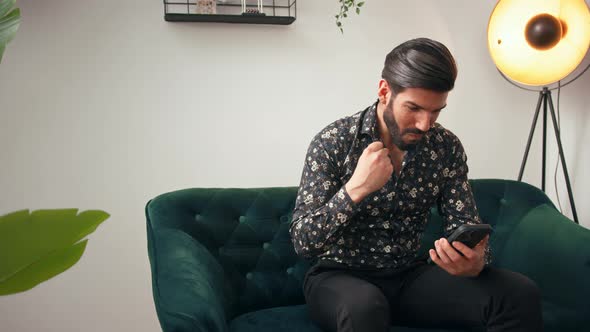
36,246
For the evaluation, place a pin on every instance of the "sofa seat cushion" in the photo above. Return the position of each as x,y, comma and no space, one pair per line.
291,318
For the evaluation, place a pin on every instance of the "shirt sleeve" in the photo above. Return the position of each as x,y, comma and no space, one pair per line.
457,204
323,207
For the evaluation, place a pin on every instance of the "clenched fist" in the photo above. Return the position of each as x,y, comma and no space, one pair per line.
373,170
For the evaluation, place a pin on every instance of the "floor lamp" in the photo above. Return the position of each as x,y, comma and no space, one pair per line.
538,43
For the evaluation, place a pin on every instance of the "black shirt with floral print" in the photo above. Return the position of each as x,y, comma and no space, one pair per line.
383,230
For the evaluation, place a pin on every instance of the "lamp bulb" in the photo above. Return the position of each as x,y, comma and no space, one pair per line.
543,32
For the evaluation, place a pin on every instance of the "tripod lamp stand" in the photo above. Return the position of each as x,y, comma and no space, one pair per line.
537,43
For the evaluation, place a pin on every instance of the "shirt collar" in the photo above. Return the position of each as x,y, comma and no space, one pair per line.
369,122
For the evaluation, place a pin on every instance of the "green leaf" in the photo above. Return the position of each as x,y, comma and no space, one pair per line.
8,26
345,5
9,23
5,6
42,270
36,246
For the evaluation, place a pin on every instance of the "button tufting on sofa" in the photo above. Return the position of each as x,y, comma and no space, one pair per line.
242,219
503,201
290,270
249,276
265,245
284,218
198,217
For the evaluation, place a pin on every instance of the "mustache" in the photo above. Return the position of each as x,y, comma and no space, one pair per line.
413,131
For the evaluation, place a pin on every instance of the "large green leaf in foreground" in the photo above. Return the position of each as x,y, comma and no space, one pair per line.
39,245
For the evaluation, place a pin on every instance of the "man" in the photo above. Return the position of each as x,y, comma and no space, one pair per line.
364,199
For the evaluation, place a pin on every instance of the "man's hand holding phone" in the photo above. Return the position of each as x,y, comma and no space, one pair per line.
457,257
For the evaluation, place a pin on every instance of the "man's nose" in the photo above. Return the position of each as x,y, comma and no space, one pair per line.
424,121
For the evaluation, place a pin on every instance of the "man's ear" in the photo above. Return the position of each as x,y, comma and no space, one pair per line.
383,92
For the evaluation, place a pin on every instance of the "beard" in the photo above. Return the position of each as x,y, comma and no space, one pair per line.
394,131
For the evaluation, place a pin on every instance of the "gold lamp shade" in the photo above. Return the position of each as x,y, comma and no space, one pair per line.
538,42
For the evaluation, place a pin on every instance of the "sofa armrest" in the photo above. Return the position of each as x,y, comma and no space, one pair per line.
553,251
187,283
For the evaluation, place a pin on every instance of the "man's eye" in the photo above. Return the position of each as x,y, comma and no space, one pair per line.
413,109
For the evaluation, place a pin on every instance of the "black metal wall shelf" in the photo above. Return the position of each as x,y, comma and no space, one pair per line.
280,12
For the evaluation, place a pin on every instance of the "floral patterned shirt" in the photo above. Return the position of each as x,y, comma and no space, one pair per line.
384,229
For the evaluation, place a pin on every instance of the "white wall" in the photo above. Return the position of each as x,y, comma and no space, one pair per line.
104,105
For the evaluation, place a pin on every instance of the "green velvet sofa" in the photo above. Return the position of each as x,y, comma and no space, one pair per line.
222,259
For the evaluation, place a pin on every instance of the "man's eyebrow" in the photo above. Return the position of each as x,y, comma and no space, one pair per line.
411,103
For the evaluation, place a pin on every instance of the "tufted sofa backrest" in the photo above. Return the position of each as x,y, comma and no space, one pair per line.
247,232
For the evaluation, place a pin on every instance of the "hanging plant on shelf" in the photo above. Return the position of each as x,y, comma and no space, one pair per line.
345,6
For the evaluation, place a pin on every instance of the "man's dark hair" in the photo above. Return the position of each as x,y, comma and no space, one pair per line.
420,63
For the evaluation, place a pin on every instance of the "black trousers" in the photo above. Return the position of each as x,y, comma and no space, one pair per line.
421,295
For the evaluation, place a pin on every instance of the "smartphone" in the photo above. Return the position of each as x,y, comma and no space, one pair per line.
469,235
